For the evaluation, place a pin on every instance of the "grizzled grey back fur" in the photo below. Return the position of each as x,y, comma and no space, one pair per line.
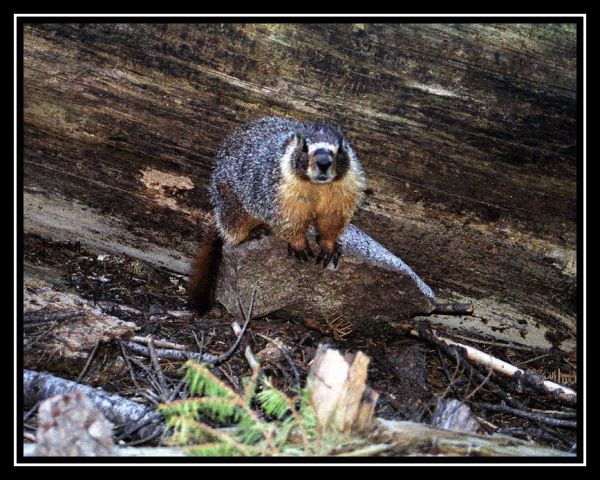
249,161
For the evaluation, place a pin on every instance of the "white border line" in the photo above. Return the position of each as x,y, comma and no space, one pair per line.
308,15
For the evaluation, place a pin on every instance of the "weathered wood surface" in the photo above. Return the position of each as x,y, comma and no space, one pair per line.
467,134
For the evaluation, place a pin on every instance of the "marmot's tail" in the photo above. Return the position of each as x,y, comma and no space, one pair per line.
204,270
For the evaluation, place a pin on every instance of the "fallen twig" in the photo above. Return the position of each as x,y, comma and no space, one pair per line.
170,354
555,422
453,309
222,358
159,343
31,319
250,358
129,367
88,363
476,356
453,352
162,383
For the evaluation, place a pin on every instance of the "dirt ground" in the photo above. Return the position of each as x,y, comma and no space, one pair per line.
410,374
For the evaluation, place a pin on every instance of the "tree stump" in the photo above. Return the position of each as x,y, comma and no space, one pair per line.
342,400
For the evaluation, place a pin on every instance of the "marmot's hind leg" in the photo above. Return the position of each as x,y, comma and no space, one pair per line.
235,223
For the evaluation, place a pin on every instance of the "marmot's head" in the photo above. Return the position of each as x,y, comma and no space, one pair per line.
320,153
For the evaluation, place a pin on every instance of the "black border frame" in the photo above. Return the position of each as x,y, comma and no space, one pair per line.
22,19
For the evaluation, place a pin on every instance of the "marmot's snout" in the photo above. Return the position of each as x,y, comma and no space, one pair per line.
322,166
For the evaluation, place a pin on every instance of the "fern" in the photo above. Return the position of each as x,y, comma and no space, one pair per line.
261,421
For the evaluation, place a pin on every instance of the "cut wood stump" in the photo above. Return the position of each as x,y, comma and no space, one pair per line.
342,400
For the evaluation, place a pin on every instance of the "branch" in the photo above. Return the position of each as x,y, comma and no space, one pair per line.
486,360
169,354
38,386
555,422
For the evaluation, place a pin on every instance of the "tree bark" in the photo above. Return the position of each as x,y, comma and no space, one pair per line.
467,133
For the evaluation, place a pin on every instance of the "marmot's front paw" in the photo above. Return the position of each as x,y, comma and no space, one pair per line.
301,253
329,254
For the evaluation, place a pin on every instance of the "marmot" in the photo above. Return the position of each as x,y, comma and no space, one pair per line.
282,175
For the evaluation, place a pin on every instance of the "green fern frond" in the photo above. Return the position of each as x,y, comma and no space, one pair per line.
251,431
292,428
200,380
273,401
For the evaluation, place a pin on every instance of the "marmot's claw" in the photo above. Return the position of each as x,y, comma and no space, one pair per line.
327,257
300,254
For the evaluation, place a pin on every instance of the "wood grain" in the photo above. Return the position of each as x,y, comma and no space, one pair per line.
467,133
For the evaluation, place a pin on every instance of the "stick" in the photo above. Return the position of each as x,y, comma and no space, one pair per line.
555,390
555,422
31,319
250,358
453,309
453,352
234,347
159,343
129,367
88,364
159,373
169,354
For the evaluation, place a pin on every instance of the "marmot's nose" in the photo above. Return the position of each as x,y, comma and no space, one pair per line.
324,162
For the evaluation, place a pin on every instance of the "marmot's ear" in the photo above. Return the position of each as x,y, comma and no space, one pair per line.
299,141
344,147
346,154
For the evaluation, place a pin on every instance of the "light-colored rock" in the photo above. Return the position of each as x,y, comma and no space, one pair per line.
70,426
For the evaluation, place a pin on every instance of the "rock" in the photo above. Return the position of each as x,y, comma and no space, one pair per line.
70,426
454,415
369,286
71,326
63,329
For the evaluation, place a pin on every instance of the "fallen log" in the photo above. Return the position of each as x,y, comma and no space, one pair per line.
38,386
411,438
467,133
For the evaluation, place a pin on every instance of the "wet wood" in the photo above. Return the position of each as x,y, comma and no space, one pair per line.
467,133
